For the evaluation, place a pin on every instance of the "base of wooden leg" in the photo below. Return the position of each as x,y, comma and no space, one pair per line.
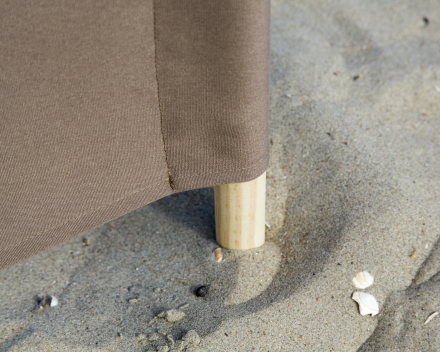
240,210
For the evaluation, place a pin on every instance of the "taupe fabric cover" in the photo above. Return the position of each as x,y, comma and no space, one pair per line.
106,106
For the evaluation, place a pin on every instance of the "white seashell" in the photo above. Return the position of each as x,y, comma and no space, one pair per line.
53,301
363,279
367,303
431,317
217,255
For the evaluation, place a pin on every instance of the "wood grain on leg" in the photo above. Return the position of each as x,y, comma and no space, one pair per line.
240,210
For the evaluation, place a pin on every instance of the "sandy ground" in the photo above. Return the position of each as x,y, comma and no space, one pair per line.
353,184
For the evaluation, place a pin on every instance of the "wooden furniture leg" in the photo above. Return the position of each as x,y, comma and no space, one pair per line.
240,210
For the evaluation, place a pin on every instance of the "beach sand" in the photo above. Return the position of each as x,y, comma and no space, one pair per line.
353,184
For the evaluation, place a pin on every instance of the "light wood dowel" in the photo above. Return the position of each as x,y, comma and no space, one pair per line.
240,210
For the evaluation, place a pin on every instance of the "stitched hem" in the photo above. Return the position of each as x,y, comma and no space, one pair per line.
170,177
119,199
219,172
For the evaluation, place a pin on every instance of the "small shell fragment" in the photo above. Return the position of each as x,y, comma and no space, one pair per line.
367,303
53,301
217,255
431,317
267,225
172,315
86,242
363,279
184,306
413,254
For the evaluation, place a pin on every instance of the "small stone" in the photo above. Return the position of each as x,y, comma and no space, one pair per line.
163,349
157,289
202,291
184,306
172,315
133,301
44,301
40,300
191,338
86,242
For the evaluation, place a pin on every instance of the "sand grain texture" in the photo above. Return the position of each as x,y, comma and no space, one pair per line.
353,184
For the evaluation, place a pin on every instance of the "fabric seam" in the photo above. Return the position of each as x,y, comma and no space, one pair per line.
170,177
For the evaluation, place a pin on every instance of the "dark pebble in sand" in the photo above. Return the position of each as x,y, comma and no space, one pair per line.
202,291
